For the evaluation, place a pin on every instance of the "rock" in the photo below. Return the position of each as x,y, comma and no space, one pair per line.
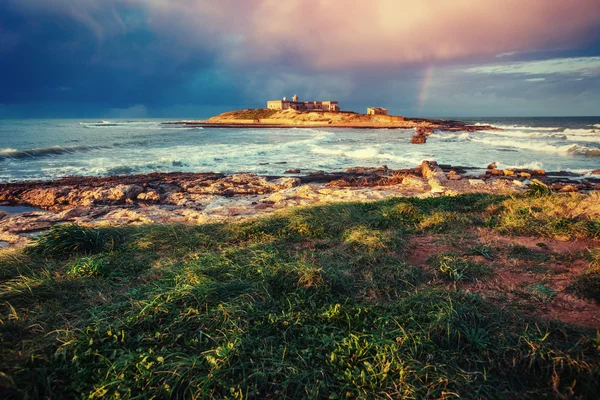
453,176
121,192
595,172
492,166
412,180
568,189
292,171
495,172
3,214
287,183
418,139
45,198
508,172
423,131
149,196
538,172
525,175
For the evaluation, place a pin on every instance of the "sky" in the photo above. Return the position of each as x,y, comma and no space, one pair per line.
196,58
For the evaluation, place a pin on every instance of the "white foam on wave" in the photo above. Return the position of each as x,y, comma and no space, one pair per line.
522,128
530,165
542,147
451,137
529,134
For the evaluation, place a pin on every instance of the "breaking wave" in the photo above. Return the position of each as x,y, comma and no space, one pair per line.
6,154
567,149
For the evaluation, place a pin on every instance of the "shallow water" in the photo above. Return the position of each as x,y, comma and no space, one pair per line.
49,149
17,209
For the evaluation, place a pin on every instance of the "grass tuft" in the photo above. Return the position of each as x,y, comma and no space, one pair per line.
68,239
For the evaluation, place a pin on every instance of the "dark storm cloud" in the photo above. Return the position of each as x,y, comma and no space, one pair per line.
192,58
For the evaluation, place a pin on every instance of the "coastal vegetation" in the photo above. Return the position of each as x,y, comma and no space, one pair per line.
447,297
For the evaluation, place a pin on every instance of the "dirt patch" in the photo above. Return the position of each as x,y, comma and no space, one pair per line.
529,273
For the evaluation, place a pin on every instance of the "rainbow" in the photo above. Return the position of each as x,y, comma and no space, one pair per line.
425,84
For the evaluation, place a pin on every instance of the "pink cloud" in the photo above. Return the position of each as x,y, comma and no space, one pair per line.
349,33
334,34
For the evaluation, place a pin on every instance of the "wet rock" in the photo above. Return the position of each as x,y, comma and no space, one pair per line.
292,171
525,175
492,166
495,172
424,131
418,139
365,170
538,172
595,172
508,172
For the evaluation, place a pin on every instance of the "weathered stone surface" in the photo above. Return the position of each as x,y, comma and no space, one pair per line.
418,139
595,172
293,171
538,172
149,196
492,166
508,172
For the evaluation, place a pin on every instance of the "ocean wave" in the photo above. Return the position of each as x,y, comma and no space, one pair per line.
46,151
567,149
450,137
369,153
529,134
520,127
596,126
124,124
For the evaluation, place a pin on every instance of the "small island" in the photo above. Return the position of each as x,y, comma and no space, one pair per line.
324,114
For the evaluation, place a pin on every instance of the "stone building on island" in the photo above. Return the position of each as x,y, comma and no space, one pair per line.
295,104
377,111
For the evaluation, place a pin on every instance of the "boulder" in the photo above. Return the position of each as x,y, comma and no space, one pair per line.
595,172
538,172
424,131
492,166
418,139
508,172
292,171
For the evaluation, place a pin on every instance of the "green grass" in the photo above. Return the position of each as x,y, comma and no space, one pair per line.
587,284
258,113
316,302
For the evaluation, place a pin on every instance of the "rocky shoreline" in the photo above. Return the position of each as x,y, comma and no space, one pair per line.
192,198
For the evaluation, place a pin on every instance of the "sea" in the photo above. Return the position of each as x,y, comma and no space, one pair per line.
50,149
